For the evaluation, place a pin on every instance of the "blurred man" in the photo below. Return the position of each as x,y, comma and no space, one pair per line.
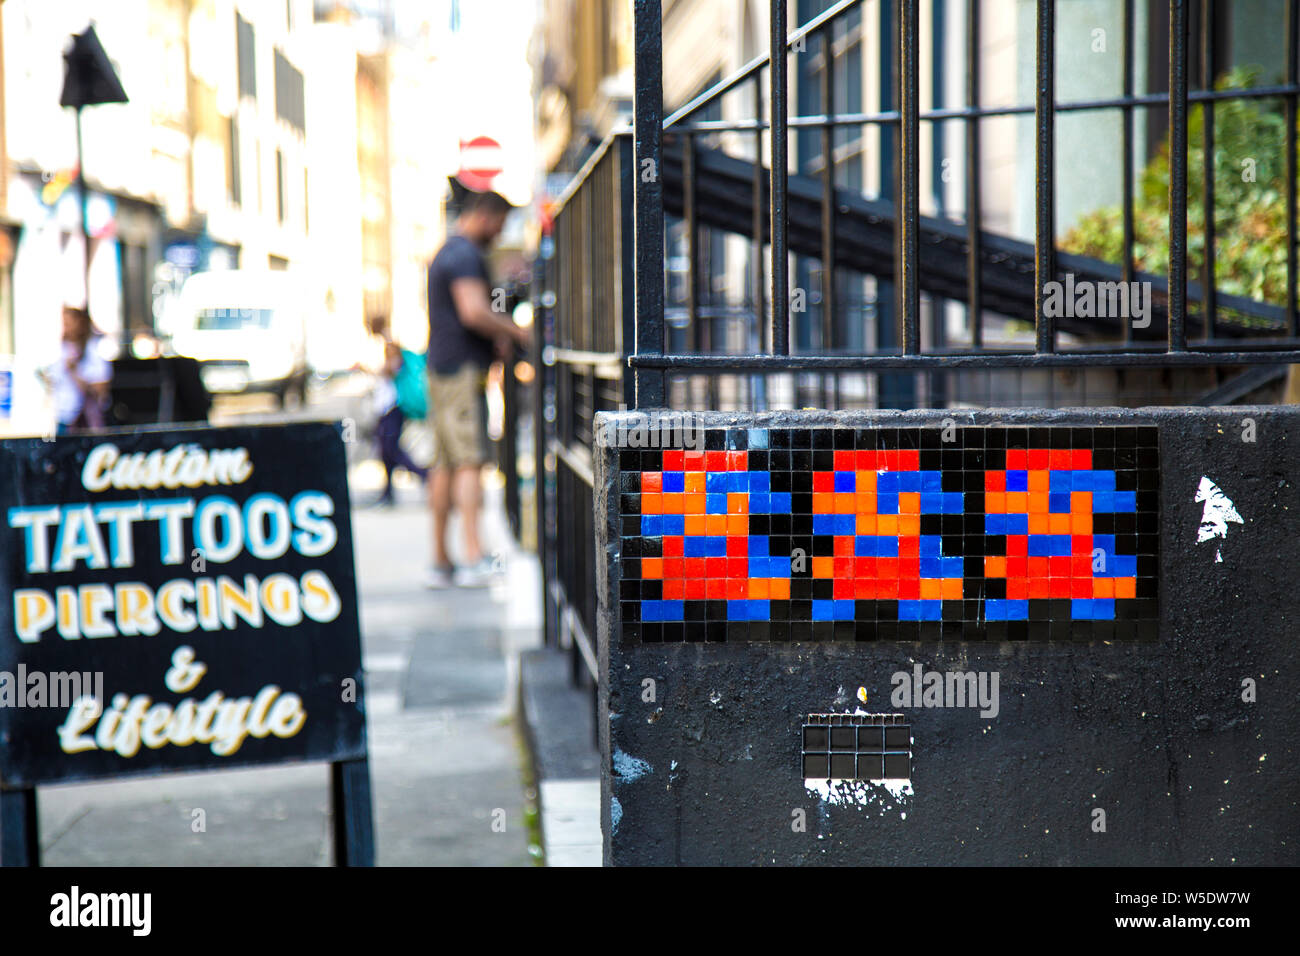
465,335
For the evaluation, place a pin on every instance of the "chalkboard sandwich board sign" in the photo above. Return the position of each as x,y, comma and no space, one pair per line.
177,599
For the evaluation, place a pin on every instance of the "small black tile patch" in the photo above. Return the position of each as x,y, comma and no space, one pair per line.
896,534
856,747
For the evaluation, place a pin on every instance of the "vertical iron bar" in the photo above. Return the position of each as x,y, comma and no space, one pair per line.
1128,117
938,383
1209,291
760,308
81,198
1045,174
692,227
648,109
627,261
780,148
1293,79
828,193
907,247
893,389
539,428
974,208
509,448
1177,175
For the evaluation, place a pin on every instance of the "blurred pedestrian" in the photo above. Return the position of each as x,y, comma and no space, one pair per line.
80,379
465,335
398,397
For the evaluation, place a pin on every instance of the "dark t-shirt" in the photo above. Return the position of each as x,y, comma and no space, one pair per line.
451,345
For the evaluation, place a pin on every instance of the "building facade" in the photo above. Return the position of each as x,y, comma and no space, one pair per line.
258,135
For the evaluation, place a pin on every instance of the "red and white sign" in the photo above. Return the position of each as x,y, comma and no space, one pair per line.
481,161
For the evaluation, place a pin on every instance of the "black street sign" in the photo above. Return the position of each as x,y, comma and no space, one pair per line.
89,78
201,584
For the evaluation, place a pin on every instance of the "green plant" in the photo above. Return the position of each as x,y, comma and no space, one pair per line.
1249,202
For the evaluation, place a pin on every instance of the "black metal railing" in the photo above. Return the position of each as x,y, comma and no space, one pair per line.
612,306
580,375
652,360
508,462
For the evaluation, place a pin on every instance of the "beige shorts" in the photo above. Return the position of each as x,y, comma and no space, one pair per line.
456,409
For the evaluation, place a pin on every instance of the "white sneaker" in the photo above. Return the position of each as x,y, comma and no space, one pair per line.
477,575
440,578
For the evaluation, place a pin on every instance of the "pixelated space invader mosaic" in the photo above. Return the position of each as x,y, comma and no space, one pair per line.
787,534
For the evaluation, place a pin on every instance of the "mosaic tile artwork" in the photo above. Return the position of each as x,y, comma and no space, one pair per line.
856,747
783,534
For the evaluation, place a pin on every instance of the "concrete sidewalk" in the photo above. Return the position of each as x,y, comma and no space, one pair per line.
441,670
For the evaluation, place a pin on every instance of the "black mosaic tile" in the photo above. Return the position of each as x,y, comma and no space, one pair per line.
856,747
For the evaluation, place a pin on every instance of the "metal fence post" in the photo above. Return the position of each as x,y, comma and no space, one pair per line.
778,223
1045,173
1177,175
907,246
648,191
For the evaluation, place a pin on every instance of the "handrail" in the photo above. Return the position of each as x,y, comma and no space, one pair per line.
890,117
740,76
573,458
947,359
585,170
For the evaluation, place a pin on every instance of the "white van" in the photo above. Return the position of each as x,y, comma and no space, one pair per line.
247,329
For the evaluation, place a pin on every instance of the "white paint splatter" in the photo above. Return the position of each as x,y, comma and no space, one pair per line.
1218,510
843,793
615,812
898,789
630,768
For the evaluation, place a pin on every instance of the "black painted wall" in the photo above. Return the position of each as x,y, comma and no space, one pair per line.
1155,734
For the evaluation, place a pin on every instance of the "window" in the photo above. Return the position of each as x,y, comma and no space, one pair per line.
232,161
289,100
137,314
279,185
245,46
